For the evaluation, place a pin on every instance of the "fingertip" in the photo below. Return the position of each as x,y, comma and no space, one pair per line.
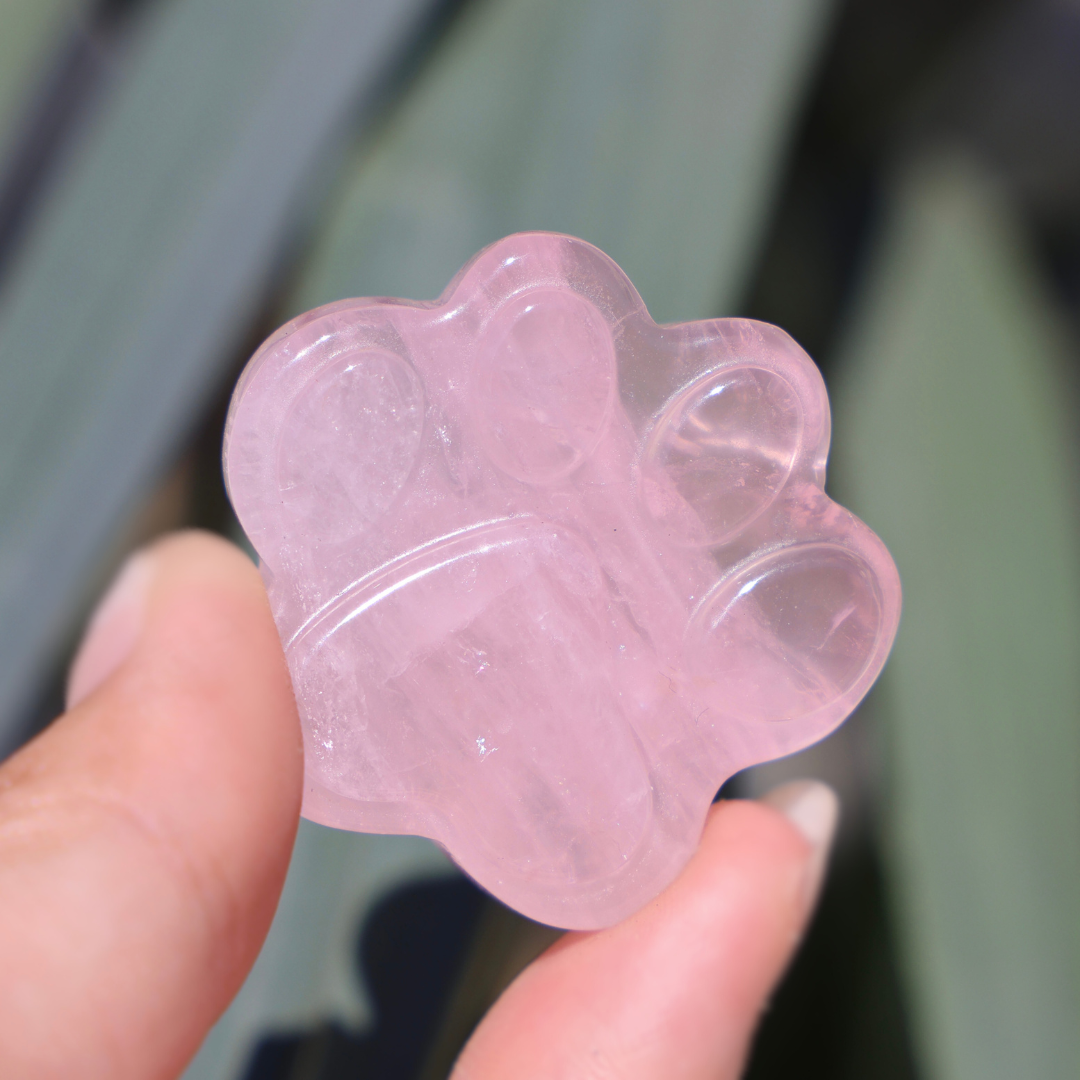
811,806
113,629
813,809
210,554
116,624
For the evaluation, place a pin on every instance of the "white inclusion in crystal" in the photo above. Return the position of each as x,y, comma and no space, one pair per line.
485,751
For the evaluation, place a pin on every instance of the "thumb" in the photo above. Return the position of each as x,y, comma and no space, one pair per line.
144,837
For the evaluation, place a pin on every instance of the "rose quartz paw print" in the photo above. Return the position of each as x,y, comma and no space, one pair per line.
548,573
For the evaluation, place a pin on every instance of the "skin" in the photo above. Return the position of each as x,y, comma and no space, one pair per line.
145,836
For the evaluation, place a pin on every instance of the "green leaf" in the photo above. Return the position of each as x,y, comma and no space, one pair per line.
144,269
652,130
31,33
952,442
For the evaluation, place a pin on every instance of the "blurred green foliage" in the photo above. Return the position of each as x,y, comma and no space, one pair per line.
32,32
143,267
955,442
652,130
248,160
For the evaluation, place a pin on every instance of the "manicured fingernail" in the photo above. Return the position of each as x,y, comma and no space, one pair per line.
113,628
813,809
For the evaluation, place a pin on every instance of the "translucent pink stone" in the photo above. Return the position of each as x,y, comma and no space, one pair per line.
547,573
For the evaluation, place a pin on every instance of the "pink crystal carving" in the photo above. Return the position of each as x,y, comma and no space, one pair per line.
547,573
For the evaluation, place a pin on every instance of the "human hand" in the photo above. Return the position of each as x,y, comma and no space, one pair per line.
145,836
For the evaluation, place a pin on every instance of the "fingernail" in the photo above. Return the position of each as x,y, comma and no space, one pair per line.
113,629
813,808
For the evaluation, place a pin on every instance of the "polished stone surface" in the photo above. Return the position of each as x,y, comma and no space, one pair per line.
547,573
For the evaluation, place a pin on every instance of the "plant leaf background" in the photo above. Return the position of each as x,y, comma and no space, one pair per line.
896,184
